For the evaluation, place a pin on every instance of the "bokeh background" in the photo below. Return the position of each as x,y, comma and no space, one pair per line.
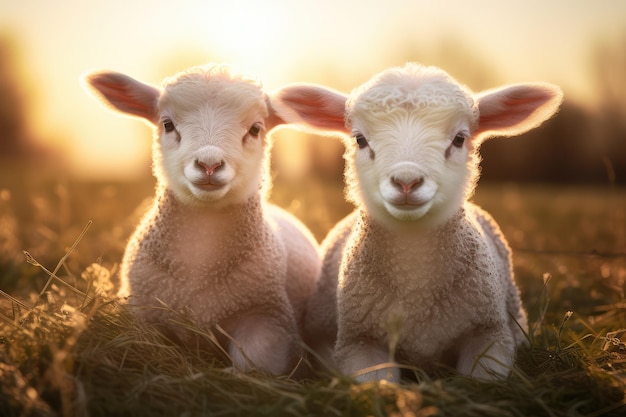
65,159
69,166
45,47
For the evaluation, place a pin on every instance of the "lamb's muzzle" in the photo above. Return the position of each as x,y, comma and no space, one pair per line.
207,177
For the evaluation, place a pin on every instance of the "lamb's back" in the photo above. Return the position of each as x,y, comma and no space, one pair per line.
502,252
321,315
303,257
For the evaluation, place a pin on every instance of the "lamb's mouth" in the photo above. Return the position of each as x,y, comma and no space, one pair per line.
208,185
408,211
407,204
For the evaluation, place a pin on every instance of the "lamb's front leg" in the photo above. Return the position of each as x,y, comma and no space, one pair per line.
363,354
488,355
261,342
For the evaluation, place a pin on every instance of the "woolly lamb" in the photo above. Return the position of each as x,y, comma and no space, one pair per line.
419,273
210,243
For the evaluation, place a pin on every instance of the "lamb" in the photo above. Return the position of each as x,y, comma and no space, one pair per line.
417,274
211,243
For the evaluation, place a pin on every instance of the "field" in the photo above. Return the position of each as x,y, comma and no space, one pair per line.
68,349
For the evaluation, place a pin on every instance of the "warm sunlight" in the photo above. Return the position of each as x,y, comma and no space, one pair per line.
340,43
214,275
244,31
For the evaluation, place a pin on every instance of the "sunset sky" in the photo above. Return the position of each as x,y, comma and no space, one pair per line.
339,42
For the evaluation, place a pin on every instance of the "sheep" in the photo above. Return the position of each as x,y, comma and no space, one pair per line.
211,244
417,274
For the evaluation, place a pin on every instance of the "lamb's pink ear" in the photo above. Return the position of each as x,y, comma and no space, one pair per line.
273,118
515,109
310,106
125,94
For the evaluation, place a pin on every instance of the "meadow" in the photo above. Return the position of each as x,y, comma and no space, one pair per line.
67,348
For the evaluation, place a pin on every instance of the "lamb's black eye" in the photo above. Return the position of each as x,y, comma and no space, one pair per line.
255,130
168,125
458,140
360,141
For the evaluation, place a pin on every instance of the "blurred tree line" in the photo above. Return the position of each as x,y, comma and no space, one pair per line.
18,146
585,143
582,144
15,138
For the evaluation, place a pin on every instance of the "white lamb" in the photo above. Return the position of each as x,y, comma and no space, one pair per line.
420,274
211,243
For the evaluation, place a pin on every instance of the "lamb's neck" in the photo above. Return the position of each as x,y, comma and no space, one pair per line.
225,220
415,260
409,233
188,239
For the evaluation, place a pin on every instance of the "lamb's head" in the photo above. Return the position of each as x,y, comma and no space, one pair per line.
410,158
210,126
413,135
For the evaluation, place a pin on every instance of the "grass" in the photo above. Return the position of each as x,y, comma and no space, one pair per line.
68,349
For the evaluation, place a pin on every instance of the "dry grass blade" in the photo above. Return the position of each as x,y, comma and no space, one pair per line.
53,275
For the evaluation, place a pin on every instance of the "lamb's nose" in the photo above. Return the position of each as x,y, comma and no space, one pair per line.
209,169
407,186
